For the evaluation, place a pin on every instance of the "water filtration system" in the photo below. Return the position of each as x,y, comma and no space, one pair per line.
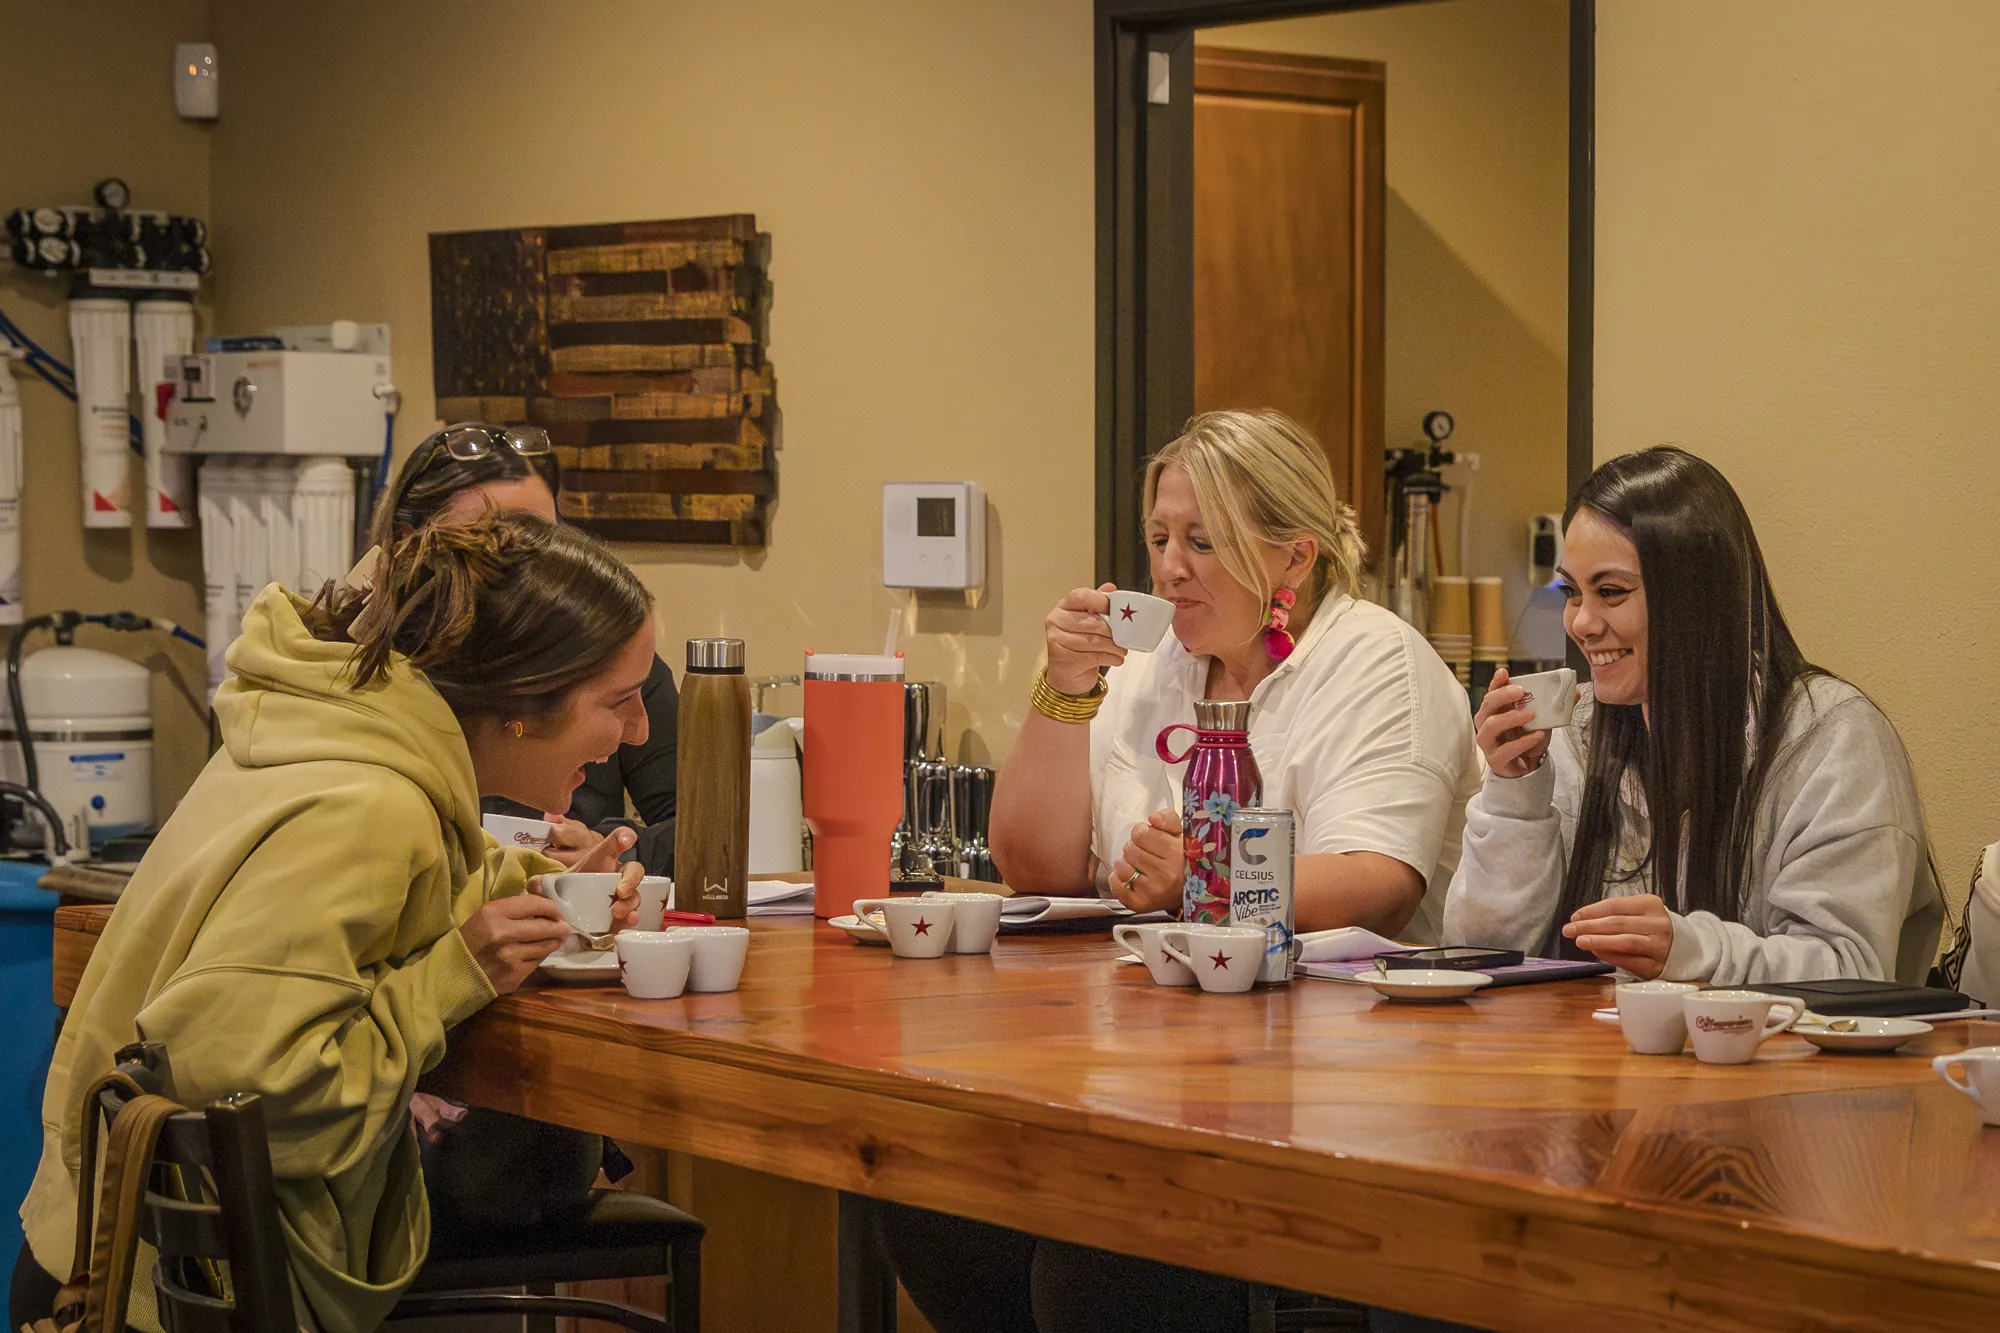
288,427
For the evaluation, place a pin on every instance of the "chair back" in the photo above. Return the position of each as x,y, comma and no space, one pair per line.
210,1212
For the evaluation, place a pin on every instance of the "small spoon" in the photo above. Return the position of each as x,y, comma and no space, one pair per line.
1843,1025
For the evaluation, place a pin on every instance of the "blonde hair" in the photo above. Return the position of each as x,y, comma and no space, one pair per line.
1261,478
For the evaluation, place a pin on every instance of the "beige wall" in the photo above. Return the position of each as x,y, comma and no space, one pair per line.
85,94
1477,240
924,169
1797,279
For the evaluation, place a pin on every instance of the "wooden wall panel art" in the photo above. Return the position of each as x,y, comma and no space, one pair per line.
639,347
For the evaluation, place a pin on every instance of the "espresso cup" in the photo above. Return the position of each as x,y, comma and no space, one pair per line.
975,918
1551,698
719,952
1138,621
918,927
1981,1065
1729,1025
1652,1016
654,964
584,897
656,894
509,831
1224,959
1144,940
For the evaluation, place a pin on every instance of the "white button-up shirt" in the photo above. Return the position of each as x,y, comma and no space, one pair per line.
1363,733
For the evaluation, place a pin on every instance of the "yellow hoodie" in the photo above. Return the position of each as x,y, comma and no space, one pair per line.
293,933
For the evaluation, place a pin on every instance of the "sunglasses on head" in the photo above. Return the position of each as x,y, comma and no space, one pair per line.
473,441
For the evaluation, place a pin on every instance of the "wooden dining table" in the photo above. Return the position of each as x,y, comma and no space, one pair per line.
1503,1161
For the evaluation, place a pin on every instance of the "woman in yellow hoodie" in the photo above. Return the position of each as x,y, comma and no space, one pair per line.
323,906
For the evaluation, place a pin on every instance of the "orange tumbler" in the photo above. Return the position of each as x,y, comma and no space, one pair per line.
853,774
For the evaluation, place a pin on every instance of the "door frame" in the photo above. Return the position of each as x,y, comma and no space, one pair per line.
1145,242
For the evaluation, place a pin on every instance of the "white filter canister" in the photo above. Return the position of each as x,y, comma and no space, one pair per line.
90,720
218,564
276,479
323,510
161,329
10,500
100,334
251,540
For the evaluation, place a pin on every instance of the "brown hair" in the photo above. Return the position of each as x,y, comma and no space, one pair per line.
503,613
430,477
1261,478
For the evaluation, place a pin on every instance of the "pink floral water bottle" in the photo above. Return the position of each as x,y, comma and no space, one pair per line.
1222,778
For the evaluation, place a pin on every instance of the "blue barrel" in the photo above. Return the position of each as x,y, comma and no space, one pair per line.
27,936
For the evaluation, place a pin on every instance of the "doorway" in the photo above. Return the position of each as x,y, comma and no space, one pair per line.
1151,376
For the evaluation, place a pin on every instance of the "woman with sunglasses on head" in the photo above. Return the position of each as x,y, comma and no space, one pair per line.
473,468
323,908
1719,809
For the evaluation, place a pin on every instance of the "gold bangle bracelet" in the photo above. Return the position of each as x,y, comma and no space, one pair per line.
1053,704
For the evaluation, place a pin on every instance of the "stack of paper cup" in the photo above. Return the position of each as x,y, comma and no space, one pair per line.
1451,624
1489,621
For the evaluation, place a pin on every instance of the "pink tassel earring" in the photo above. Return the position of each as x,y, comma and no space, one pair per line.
1278,641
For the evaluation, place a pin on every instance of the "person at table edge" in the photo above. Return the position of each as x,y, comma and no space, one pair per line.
1360,729
1801,852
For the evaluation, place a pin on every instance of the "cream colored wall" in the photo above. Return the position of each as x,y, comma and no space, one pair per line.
1477,240
1796,279
85,93
924,169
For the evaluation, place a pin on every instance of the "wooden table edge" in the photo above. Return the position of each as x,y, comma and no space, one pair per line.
1506,1210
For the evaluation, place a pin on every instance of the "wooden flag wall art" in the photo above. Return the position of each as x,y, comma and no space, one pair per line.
639,347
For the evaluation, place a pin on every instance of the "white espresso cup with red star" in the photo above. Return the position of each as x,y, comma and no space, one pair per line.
916,927
1138,622
1224,959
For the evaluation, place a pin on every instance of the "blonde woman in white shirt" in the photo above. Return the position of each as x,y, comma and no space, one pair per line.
1359,728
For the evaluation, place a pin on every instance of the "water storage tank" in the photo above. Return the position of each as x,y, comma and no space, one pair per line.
90,715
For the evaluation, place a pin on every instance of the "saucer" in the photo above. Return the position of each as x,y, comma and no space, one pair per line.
859,933
1870,1034
1425,985
579,969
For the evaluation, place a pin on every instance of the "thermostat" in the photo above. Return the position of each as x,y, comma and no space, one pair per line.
933,534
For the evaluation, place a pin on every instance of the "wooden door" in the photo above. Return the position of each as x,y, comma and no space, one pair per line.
1288,200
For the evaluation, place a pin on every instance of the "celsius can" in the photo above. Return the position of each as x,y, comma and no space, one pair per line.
1260,885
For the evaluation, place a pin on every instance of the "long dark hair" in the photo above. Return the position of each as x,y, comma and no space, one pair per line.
430,477
503,613
1721,668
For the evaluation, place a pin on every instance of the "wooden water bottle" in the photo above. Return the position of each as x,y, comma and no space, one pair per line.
712,836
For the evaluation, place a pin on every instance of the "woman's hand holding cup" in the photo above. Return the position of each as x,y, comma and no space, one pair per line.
1148,876
1079,639
601,857
1511,751
509,937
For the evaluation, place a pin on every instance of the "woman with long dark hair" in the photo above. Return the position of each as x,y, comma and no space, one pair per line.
1719,809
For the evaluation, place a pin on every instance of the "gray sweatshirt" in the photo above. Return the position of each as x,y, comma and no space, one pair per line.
1840,885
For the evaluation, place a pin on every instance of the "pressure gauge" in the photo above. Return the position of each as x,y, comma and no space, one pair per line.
1437,425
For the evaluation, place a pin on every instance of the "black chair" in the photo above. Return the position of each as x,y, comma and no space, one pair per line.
210,1212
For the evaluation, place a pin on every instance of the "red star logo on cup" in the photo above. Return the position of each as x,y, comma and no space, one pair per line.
1220,959
922,927
1128,611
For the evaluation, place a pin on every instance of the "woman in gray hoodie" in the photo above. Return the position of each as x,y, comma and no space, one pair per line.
1719,809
